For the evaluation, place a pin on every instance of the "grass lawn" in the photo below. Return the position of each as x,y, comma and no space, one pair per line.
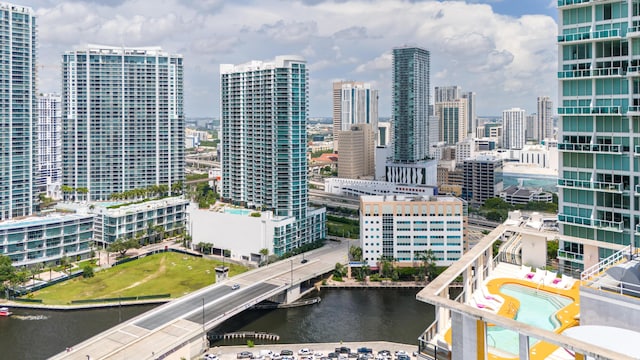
169,272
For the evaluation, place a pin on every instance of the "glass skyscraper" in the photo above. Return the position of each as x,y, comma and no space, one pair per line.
123,120
264,112
599,137
411,94
18,111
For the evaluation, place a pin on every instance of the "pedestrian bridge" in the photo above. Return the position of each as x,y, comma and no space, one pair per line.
178,328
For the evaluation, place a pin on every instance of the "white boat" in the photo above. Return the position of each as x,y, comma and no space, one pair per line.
4,311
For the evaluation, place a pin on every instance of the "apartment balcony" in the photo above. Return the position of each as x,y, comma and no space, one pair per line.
637,229
633,32
616,226
570,256
591,185
589,111
592,73
633,111
637,192
591,148
566,3
633,71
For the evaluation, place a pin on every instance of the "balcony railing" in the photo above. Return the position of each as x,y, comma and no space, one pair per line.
568,255
633,31
616,226
587,73
587,110
600,34
591,148
592,185
562,3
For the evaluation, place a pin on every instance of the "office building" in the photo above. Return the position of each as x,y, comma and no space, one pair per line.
513,128
353,103
545,118
264,112
19,115
410,110
50,143
357,153
472,116
405,228
482,179
452,120
384,136
446,93
123,122
531,128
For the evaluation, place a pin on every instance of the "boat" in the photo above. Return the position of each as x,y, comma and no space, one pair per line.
4,311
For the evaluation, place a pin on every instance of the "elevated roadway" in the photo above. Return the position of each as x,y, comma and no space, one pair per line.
177,329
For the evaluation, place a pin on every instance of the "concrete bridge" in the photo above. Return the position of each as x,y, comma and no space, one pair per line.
178,329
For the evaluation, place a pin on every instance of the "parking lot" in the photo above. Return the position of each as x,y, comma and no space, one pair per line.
316,351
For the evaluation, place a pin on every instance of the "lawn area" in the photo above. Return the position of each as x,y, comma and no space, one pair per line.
169,272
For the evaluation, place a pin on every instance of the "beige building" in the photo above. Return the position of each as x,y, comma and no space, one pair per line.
353,103
356,158
452,120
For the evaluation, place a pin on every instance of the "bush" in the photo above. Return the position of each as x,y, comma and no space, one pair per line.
250,343
87,271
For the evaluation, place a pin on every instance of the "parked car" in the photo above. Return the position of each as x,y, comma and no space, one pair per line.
403,357
235,286
304,261
210,357
305,351
286,353
343,350
332,355
244,355
365,350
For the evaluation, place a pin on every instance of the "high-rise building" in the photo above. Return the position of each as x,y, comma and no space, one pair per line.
411,93
264,112
472,116
123,122
357,153
50,142
482,179
599,128
452,120
446,93
531,128
353,103
18,111
545,118
513,128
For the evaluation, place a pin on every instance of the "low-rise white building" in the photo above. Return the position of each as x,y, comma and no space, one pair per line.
358,187
46,239
244,232
404,228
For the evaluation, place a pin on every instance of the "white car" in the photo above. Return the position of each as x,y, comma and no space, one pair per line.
305,351
210,357
235,286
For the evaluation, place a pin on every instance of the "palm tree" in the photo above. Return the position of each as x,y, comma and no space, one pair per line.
84,191
66,190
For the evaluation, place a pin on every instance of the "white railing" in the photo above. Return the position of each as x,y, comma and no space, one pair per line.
605,264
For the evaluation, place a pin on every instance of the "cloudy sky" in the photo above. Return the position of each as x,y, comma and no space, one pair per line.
504,50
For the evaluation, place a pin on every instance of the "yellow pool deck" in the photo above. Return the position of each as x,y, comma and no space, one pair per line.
568,315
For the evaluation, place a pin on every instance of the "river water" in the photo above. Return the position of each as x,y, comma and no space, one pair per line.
342,315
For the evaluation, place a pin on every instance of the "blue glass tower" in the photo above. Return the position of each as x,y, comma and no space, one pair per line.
18,111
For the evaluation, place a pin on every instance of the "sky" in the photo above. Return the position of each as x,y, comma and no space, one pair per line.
504,50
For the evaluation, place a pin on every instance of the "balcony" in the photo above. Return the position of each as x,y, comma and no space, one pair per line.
633,111
570,256
633,71
588,110
597,224
637,190
633,32
590,185
591,148
563,3
638,229
589,73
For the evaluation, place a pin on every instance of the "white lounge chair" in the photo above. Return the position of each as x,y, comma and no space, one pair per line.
538,276
551,278
566,282
491,297
525,272
478,302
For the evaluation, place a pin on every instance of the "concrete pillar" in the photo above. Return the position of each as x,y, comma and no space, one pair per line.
293,294
524,346
468,337
467,283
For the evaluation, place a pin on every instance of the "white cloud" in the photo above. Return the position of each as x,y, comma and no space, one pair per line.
508,61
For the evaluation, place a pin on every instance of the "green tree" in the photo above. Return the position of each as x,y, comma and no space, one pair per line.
87,271
122,245
552,250
84,191
428,264
356,253
66,190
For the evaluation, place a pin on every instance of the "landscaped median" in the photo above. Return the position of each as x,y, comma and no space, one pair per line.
162,275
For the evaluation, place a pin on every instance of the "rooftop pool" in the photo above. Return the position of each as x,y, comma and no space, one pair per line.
537,308
233,211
